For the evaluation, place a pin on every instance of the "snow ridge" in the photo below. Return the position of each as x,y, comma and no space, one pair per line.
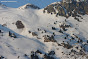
29,6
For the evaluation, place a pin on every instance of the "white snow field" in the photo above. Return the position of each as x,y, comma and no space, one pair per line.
37,26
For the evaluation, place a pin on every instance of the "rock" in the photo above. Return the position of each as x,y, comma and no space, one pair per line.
49,38
1,57
39,29
77,19
29,31
45,31
12,35
64,26
51,53
18,57
68,46
34,56
25,55
65,37
75,36
53,28
0,31
50,9
4,25
19,25
60,31
38,52
34,34
73,51
48,57
53,34
59,44
87,41
72,38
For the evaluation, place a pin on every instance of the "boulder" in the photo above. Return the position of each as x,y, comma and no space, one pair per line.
19,24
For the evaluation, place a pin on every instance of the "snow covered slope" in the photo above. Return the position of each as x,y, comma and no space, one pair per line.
32,34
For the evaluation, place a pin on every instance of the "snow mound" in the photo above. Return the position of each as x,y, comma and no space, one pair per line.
29,6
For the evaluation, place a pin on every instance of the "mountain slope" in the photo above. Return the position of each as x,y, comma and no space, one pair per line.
67,9
32,34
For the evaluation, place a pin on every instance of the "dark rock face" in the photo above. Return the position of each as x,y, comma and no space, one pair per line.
68,9
19,24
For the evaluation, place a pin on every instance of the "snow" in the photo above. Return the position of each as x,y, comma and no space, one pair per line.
33,19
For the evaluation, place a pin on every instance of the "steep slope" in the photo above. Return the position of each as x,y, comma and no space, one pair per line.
32,34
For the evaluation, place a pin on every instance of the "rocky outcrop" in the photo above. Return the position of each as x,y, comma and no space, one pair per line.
67,9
